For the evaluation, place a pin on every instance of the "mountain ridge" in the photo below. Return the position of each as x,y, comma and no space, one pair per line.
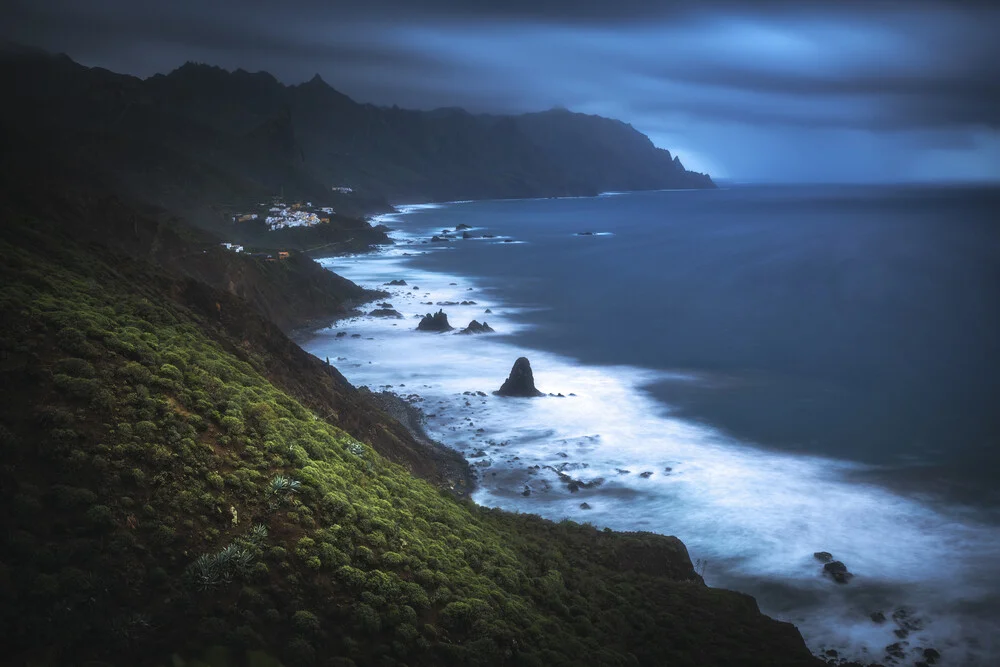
199,119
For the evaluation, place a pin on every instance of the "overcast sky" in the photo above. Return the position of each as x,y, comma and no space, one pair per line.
814,90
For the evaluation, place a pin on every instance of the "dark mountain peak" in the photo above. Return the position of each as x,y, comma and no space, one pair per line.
265,78
317,91
192,68
317,81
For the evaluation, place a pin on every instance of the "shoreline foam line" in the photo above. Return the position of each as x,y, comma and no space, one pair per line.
754,516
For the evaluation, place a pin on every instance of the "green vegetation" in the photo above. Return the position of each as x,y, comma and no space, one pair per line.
165,497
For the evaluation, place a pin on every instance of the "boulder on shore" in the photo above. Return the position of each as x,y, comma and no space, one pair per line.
476,328
396,282
386,312
434,322
521,381
838,571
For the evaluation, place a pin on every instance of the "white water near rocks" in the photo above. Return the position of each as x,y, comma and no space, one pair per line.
751,518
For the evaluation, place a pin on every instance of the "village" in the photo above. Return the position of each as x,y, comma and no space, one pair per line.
277,214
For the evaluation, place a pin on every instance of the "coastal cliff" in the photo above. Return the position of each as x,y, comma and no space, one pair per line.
187,486
188,482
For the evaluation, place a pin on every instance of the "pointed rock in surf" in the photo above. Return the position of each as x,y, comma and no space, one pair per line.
476,328
436,322
520,382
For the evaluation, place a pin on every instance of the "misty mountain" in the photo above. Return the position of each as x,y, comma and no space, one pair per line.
201,139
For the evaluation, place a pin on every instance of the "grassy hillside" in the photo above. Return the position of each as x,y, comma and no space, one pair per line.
181,480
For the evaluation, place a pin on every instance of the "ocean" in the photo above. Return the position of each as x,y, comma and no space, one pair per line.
764,372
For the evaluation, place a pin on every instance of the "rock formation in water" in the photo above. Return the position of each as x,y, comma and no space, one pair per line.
476,328
521,381
434,322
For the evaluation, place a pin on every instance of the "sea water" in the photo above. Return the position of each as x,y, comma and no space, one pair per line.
763,372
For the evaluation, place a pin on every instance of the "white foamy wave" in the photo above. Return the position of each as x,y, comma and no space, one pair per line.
754,516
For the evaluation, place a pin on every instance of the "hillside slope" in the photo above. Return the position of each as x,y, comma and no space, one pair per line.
182,481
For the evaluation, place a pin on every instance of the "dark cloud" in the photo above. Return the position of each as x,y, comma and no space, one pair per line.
895,76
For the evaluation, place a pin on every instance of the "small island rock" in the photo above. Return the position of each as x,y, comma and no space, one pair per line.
838,571
476,328
521,381
434,322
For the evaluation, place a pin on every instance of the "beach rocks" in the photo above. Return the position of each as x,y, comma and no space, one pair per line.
823,556
477,328
838,571
467,235
584,506
520,382
341,334
931,656
386,312
646,475
585,233
434,322
462,226
877,617
895,651
396,282
438,239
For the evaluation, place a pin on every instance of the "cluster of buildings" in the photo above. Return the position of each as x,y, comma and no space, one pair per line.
279,215
266,256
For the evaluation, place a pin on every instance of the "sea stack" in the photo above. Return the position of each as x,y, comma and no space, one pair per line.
476,328
520,382
436,322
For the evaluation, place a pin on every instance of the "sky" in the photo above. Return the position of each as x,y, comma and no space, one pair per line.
765,91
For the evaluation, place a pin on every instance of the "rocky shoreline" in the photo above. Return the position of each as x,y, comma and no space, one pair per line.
450,462
490,460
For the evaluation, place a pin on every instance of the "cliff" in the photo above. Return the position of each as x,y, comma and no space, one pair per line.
186,485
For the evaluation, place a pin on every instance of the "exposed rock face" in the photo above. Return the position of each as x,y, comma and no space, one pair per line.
521,381
838,571
823,556
396,282
462,226
386,312
476,328
436,322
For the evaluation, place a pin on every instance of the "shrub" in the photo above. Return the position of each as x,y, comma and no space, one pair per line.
101,517
75,367
306,622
